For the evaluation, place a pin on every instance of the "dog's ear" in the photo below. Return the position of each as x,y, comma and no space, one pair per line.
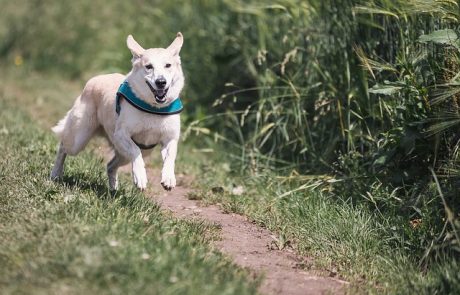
135,48
176,45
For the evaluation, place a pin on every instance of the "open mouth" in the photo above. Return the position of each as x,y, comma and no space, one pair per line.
160,94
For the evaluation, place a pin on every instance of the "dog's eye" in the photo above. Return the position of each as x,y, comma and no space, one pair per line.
149,67
167,65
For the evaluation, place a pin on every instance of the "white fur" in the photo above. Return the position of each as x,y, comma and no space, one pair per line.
94,112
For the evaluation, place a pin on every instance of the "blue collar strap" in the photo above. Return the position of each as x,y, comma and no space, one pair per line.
125,91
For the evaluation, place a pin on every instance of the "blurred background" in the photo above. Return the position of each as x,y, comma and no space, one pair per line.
360,97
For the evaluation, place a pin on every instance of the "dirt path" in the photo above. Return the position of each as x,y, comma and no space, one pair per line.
247,244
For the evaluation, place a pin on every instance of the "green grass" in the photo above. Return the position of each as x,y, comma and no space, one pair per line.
351,105
376,252
74,237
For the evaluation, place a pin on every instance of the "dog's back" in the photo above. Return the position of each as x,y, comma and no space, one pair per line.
94,108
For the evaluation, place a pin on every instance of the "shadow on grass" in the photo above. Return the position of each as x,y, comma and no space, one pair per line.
83,182
126,197
94,180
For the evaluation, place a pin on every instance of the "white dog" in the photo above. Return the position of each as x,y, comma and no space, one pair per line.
134,112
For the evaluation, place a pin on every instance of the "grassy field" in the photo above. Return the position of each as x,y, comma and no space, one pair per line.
338,118
377,252
74,237
86,240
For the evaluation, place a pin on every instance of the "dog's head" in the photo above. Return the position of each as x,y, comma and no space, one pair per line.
156,76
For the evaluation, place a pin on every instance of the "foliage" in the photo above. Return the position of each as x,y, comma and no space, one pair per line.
361,93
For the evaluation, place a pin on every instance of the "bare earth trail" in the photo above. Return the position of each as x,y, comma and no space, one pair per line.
247,244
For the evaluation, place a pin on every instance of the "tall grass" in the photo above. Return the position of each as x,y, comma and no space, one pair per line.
363,90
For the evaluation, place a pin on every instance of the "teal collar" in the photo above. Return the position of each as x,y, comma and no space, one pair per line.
125,91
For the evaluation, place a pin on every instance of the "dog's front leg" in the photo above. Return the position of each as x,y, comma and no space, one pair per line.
127,148
168,153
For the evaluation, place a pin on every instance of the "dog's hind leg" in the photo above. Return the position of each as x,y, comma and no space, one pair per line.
80,125
58,168
74,131
112,170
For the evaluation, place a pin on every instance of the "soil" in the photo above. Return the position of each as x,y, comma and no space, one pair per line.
247,244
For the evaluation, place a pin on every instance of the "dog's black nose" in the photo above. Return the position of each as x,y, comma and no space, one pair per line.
160,82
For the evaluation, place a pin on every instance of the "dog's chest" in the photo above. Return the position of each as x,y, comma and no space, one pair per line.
154,129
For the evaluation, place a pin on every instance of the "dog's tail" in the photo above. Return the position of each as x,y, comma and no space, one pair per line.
60,126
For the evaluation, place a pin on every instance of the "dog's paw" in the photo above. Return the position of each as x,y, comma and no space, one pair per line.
113,182
56,175
168,181
140,177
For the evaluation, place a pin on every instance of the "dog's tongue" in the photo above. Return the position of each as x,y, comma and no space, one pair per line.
161,92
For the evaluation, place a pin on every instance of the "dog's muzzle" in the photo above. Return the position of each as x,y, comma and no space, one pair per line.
160,93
